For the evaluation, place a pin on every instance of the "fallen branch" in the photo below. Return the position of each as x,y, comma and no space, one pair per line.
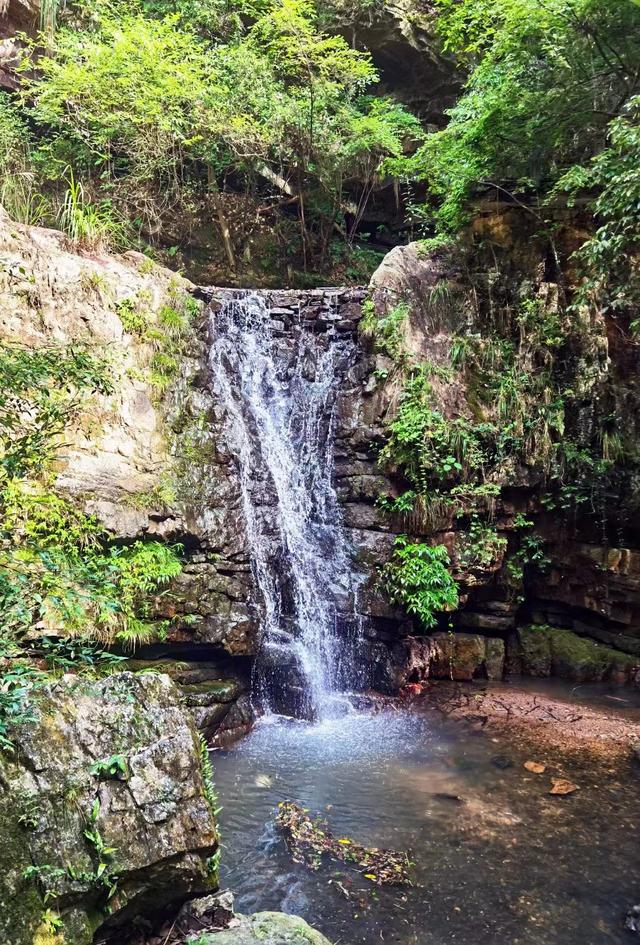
309,839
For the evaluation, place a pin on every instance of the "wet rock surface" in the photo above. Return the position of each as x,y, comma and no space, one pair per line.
548,651
632,922
211,920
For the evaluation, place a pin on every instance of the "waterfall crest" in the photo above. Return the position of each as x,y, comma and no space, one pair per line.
278,390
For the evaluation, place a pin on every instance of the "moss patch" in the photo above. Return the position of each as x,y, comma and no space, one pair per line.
549,651
535,650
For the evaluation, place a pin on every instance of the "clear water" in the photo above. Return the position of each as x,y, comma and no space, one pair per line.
498,860
278,395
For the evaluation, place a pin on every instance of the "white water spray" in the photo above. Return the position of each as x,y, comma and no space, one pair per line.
279,395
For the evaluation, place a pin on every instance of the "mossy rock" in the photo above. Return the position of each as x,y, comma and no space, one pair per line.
534,644
584,660
57,813
267,928
550,651
213,690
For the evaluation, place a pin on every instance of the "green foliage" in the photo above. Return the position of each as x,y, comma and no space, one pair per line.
128,97
30,804
435,244
481,545
516,368
19,188
41,391
425,446
79,656
105,875
386,329
544,80
57,570
147,108
17,683
113,768
46,878
167,332
418,579
353,264
88,226
609,257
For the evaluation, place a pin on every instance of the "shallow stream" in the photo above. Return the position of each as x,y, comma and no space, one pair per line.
498,861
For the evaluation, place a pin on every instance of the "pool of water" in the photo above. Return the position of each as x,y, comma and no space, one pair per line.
498,861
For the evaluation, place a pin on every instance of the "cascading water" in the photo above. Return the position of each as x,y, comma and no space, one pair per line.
278,391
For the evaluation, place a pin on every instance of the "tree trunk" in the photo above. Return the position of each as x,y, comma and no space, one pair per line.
222,219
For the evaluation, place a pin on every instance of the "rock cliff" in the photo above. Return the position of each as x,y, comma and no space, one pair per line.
586,581
150,460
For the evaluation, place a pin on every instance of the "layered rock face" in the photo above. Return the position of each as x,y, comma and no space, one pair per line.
152,462
106,810
587,585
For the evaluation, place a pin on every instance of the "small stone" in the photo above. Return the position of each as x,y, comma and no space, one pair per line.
502,762
632,922
453,798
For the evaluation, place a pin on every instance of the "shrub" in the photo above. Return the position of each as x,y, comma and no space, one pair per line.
418,579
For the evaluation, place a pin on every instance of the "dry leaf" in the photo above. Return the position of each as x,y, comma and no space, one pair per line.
562,786
535,767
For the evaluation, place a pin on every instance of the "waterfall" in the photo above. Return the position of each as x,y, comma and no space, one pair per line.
278,390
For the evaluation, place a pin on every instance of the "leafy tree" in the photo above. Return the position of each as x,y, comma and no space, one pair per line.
152,115
609,257
125,103
544,81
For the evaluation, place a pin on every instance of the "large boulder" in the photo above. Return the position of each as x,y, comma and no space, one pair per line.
459,656
266,928
466,656
106,810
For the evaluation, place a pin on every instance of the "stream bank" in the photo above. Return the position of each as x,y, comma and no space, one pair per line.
579,721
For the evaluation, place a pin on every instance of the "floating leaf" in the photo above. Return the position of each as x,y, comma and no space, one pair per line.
561,786
535,766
